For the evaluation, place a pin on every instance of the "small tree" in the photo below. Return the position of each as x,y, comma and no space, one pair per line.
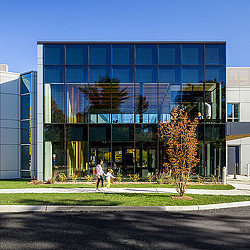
179,136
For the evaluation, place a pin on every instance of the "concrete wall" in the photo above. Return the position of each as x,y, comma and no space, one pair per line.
238,91
9,125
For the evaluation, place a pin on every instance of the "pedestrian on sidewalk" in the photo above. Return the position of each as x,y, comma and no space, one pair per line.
108,175
99,174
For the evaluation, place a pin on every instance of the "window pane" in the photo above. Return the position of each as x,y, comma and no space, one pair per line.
76,54
26,157
99,133
215,92
76,133
146,95
192,54
229,110
215,54
25,83
54,103
100,94
123,94
99,54
236,110
25,107
53,54
53,133
123,54
169,54
122,133
169,90
145,54
145,132
76,74
193,90
77,103
53,74
25,132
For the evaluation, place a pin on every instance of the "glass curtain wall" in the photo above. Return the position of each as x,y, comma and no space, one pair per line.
104,101
26,125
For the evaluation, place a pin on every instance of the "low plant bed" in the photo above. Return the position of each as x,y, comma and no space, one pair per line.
114,199
10,184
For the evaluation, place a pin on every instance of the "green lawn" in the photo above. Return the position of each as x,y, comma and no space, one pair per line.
109,199
10,184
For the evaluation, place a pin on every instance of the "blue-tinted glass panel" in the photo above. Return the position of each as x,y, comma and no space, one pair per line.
77,103
99,54
25,83
169,54
192,54
53,54
98,73
76,74
215,54
193,91
145,132
169,90
54,103
76,54
123,74
123,94
215,92
25,157
193,74
122,54
25,132
53,74
25,107
169,74
146,95
230,110
145,54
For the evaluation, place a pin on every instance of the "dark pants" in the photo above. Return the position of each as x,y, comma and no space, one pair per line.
98,181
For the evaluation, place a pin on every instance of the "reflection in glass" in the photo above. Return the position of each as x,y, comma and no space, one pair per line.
145,133
54,103
169,91
123,95
25,83
25,107
76,74
76,54
145,54
26,132
192,54
99,133
26,157
77,103
215,92
193,91
99,54
122,54
122,133
169,54
146,95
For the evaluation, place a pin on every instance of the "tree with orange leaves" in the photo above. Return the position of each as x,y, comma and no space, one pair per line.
179,136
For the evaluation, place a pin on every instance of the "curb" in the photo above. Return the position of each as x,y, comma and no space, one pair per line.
45,208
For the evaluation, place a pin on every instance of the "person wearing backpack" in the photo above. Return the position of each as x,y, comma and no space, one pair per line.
99,172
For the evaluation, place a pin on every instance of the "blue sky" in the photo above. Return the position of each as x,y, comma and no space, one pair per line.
24,22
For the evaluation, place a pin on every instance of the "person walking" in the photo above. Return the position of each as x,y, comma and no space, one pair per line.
108,175
99,173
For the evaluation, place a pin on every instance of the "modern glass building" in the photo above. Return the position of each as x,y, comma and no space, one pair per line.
103,100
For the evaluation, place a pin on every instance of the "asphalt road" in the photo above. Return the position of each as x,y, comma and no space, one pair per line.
214,229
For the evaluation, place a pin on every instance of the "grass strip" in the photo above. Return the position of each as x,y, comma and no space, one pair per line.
114,199
24,184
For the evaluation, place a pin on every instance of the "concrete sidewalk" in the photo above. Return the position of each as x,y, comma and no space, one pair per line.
240,189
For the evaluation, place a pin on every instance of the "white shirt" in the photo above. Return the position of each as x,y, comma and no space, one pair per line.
108,175
99,170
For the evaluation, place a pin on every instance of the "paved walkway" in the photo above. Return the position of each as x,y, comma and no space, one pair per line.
240,189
